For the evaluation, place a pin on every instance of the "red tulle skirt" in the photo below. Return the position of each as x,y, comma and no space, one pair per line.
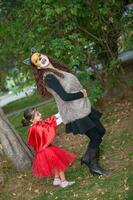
50,159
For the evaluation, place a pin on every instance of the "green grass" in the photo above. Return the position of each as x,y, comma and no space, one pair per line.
91,188
24,102
116,154
45,110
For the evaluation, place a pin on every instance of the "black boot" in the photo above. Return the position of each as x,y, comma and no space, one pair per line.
94,165
85,158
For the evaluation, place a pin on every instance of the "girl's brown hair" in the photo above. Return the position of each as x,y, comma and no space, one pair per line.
28,115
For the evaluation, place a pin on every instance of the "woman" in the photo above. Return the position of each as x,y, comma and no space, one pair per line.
72,102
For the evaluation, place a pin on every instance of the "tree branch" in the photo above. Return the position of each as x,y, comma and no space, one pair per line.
90,34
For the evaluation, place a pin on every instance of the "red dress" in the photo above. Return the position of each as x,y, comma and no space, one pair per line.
47,156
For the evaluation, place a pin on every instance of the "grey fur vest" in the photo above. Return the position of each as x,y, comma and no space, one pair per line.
70,110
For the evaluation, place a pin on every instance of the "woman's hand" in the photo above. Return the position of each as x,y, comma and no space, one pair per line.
84,92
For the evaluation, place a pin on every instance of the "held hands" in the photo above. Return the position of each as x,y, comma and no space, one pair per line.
84,92
58,118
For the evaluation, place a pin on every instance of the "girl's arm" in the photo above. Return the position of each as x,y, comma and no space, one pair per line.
52,82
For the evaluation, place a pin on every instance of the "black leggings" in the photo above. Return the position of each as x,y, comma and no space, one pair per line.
95,134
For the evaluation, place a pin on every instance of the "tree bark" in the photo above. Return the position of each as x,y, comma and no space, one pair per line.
12,145
1,172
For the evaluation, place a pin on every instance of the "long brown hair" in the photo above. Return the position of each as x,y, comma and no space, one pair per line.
38,73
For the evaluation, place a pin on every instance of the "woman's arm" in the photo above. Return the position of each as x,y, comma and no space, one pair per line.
52,82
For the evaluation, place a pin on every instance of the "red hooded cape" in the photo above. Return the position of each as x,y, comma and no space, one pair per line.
41,134
48,157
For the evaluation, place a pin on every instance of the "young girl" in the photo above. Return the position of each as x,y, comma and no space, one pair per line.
49,160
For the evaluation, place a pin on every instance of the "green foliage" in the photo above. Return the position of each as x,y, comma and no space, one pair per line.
95,92
84,78
114,67
46,20
126,41
63,29
130,82
51,32
94,88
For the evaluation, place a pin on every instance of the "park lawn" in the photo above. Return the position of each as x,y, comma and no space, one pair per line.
116,154
45,109
30,100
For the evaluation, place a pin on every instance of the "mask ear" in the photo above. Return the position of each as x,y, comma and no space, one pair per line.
33,50
27,61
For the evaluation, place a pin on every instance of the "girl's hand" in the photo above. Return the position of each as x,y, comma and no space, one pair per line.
84,92
58,119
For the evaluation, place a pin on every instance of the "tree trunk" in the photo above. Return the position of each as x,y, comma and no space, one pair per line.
1,173
12,145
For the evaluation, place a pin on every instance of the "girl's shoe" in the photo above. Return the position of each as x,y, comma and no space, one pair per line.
66,183
56,181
